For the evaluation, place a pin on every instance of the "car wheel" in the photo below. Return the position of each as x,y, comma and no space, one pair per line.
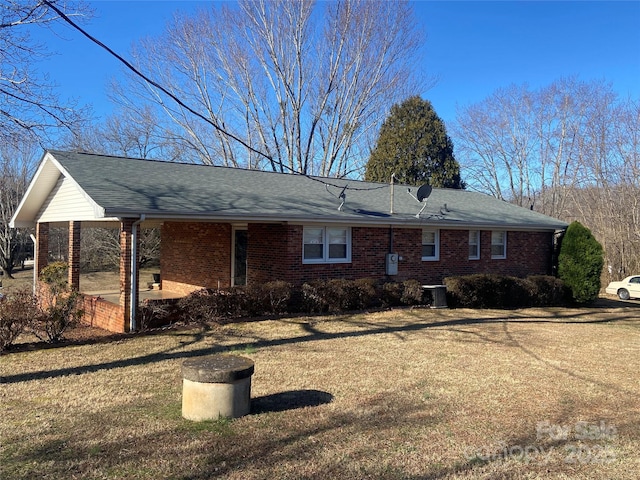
623,294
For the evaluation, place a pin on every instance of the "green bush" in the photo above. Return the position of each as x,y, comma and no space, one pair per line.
501,291
548,291
55,276
17,312
580,263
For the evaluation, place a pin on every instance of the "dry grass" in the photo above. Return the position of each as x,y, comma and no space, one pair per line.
404,394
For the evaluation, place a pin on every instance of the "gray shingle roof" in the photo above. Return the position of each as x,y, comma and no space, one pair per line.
130,187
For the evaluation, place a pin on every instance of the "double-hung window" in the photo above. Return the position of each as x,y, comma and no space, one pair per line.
326,245
498,244
474,244
430,244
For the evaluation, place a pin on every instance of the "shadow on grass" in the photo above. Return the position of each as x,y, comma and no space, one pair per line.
311,334
289,400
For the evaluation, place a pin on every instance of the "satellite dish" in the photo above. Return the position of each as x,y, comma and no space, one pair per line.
424,191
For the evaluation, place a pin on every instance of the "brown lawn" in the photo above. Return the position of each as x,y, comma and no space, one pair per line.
403,394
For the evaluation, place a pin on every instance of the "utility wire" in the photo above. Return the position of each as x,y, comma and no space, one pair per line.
187,107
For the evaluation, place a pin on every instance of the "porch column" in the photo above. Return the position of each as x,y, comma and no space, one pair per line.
74,255
41,251
126,235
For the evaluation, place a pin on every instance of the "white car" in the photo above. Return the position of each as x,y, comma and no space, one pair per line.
626,289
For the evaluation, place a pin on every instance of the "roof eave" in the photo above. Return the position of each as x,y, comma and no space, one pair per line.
391,220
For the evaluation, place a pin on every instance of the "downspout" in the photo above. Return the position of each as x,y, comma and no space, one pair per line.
35,249
133,302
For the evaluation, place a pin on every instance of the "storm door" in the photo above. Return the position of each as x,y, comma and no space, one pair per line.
239,265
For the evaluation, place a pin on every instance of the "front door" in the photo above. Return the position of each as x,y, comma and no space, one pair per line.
239,265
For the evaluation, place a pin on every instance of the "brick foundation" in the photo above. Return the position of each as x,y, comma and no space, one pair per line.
102,314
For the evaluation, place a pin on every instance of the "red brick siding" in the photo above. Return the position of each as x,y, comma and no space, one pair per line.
275,253
103,314
74,255
42,250
195,255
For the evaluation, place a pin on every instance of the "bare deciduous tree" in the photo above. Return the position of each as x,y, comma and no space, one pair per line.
305,87
569,150
29,106
17,163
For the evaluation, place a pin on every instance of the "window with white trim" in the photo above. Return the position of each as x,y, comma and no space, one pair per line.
326,244
430,244
498,244
474,244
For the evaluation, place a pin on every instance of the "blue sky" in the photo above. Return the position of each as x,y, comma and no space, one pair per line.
473,48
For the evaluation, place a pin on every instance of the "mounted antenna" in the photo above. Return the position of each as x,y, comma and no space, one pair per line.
342,196
423,193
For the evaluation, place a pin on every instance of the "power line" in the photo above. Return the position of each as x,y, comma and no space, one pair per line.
187,107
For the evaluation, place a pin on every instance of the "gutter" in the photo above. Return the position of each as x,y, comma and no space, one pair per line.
133,300
35,250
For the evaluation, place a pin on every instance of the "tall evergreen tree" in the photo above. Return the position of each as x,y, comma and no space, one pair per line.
413,143
580,263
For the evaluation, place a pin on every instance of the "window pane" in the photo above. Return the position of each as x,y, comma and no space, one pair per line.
498,244
337,235
428,237
313,244
313,235
337,251
313,252
428,250
474,244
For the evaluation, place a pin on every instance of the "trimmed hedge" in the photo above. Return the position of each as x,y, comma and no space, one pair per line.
278,298
501,291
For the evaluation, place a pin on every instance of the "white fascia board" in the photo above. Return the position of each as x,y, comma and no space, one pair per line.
43,181
29,195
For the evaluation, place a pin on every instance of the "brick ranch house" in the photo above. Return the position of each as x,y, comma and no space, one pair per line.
225,226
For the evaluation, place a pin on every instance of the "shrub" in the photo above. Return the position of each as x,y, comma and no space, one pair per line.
60,306
501,291
17,312
412,293
59,312
547,291
271,298
580,263
338,295
392,294
279,296
55,276
367,296
154,313
208,305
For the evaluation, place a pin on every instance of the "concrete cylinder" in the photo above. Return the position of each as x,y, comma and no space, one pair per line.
216,386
